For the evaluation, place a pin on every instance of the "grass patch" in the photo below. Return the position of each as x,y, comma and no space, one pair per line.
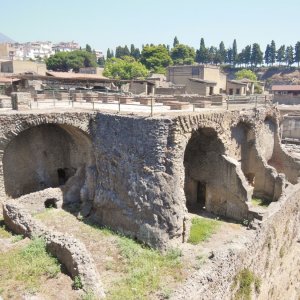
3,231
202,229
24,267
245,280
17,238
260,202
146,270
141,271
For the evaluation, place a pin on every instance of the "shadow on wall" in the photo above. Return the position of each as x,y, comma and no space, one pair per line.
250,151
212,179
49,155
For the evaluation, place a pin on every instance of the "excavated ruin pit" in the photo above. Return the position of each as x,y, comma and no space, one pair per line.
44,156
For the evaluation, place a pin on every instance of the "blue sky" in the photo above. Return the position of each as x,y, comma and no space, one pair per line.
106,24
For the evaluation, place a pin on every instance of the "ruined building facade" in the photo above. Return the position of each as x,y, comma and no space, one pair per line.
141,176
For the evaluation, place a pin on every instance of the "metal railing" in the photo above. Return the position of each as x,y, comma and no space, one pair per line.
229,103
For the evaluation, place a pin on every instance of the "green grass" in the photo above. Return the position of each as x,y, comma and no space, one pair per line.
202,229
24,267
146,270
246,280
3,232
260,202
141,271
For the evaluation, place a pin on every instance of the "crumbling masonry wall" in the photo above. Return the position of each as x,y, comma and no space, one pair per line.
136,181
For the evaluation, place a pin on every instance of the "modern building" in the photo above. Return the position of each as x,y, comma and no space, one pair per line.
21,67
286,94
199,79
65,47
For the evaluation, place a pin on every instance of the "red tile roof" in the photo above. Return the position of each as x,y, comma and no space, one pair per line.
286,87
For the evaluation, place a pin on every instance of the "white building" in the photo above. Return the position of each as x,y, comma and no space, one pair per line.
65,47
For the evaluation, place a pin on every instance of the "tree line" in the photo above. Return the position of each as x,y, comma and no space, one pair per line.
250,55
131,62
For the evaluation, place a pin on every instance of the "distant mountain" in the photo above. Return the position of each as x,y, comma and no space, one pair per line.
5,39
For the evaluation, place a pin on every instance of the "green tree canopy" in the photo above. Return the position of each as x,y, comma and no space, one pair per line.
156,58
202,53
281,54
135,52
222,52
183,55
234,52
126,68
272,52
289,55
175,42
256,55
244,73
297,53
267,56
122,51
88,48
74,60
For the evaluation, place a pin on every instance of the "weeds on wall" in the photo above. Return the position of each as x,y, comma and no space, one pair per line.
245,282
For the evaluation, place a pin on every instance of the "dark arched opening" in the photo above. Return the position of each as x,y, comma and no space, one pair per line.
44,156
202,157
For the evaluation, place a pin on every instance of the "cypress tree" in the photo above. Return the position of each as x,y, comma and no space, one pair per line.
248,50
272,52
202,53
234,53
267,56
297,53
289,56
175,42
281,54
222,52
256,55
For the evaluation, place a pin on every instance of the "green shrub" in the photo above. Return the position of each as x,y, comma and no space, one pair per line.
77,283
245,280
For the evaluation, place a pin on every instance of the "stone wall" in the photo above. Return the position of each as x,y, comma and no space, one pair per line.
69,251
12,125
290,127
289,99
137,179
142,179
271,253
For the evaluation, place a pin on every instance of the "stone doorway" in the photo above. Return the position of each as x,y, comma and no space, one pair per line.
201,157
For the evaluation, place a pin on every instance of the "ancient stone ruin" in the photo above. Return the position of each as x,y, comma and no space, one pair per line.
140,175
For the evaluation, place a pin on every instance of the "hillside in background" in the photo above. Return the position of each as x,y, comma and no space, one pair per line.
5,39
271,75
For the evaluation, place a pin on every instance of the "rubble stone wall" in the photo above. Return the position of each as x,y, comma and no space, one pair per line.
135,182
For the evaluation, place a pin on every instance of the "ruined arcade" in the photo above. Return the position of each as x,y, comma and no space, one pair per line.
141,176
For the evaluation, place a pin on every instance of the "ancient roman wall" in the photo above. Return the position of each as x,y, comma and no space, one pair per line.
136,179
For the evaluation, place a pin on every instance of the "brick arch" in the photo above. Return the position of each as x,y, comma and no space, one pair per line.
13,125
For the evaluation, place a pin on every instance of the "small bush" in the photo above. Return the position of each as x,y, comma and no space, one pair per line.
202,229
77,283
246,279
3,231
17,238
260,202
